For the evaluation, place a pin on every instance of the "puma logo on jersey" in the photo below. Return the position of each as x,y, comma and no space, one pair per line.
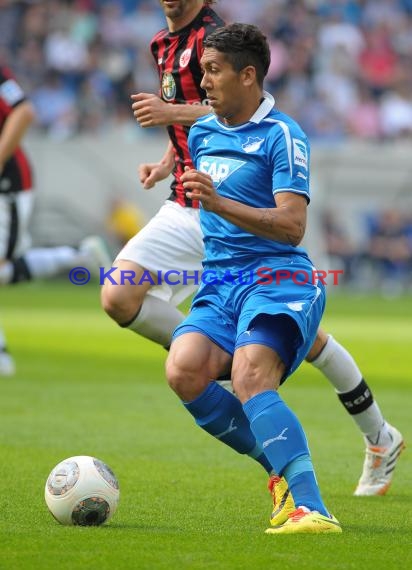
219,169
206,140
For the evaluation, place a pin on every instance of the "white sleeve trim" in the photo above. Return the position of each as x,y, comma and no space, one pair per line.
288,140
292,190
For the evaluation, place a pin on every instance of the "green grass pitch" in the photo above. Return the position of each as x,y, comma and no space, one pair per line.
84,386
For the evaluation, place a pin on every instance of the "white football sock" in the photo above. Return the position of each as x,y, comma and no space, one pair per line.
338,366
341,370
39,263
156,320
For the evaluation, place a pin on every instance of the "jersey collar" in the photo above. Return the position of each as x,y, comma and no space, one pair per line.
264,108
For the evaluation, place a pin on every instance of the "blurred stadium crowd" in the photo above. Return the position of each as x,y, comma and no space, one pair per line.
383,261
341,67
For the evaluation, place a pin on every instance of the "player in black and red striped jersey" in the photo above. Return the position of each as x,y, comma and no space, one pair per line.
177,55
172,240
19,262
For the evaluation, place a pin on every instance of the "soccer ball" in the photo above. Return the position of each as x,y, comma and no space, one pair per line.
82,490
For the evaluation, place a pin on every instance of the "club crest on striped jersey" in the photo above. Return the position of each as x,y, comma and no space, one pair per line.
252,144
219,169
300,153
185,57
168,86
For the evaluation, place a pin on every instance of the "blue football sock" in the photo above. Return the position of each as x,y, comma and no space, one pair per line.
283,440
220,413
302,484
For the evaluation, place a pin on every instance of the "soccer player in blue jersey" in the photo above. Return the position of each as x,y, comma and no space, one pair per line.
251,177
173,240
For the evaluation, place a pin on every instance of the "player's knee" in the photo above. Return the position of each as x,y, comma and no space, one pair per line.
253,375
119,305
185,376
179,372
245,378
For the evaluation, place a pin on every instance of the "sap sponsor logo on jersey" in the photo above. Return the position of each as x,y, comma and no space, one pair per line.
252,144
219,169
300,153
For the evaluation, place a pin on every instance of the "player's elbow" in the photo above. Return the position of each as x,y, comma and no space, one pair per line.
31,113
27,113
291,218
295,233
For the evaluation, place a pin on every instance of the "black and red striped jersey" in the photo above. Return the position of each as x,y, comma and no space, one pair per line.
177,56
16,174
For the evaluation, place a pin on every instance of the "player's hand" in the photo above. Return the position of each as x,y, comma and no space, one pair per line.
150,173
200,186
151,111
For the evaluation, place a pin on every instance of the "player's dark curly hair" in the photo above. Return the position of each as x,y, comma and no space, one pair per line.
243,45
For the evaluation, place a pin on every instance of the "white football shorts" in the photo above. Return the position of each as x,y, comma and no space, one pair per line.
15,212
170,241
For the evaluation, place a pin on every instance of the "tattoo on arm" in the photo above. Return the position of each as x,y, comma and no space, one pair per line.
266,218
268,221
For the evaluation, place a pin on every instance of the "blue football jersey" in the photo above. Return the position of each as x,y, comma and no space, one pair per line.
250,163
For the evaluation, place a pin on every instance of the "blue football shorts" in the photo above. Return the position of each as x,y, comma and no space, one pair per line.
283,315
